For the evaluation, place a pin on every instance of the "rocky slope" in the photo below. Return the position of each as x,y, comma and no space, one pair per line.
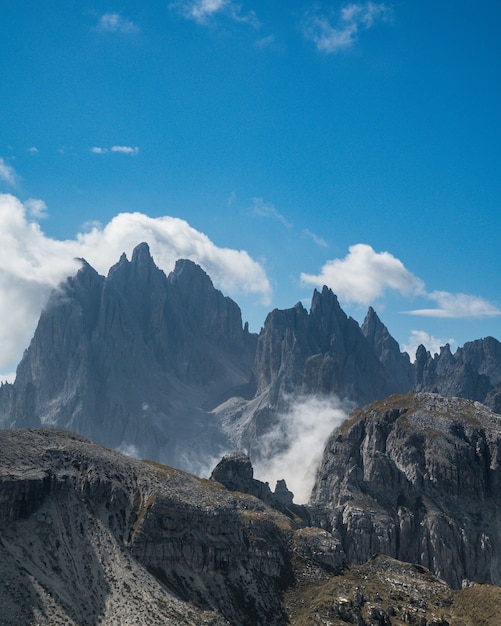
88,536
418,478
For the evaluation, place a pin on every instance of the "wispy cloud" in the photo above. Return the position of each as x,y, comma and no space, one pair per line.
320,241
421,337
457,305
7,173
31,263
205,11
334,32
268,210
130,150
33,150
364,276
115,23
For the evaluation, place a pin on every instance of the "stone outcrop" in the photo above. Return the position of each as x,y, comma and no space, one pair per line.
418,478
236,473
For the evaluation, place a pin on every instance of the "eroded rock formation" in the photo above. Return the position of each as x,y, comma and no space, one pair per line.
418,478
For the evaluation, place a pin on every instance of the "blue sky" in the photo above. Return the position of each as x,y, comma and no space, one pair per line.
282,145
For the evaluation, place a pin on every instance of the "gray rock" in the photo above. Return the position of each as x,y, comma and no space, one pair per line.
417,478
89,536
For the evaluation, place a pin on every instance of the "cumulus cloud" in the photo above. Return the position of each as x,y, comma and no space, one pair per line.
115,23
204,11
301,434
7,173
332,33
421,337
458,305
364,275
267,209
31,264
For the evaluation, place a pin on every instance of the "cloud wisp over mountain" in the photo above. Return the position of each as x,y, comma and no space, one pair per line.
301,434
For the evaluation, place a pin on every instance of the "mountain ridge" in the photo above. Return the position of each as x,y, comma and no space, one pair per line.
163,368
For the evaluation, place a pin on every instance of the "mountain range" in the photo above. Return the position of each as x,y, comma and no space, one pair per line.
402,524
162,367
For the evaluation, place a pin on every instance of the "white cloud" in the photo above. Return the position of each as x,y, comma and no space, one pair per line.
37,209
31,264
458,305
33,150
267,209
331,33
115,23
132,151
364,275
303,431
7,173
204,11
421,337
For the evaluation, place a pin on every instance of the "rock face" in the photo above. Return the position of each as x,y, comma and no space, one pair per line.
89,536
135,361
473,371
418,478
324,351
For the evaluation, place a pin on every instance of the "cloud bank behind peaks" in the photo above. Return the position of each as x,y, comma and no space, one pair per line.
32,264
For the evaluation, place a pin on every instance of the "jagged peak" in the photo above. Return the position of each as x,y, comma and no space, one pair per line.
141,253
191,271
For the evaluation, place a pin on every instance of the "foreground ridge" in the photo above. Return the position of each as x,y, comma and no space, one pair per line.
89,536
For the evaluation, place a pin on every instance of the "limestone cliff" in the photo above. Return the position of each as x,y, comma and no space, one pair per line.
418,478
